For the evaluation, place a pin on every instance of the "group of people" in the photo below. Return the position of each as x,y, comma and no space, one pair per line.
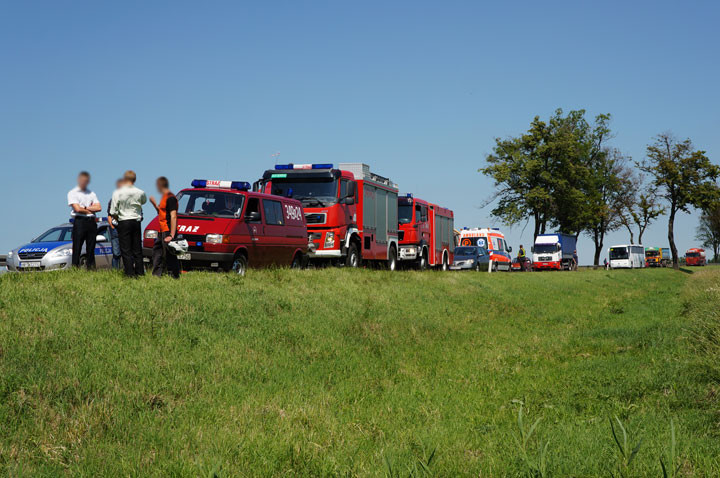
125,217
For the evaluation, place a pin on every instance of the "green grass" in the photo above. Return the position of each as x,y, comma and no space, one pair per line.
359,373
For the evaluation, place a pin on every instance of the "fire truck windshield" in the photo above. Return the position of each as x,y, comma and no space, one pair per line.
312,192
210,203
405,213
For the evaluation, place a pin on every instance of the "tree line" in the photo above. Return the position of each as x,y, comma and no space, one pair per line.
564,174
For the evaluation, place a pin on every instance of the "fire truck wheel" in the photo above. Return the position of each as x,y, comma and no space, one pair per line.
353,256
392,259
422,262
240,265
445,265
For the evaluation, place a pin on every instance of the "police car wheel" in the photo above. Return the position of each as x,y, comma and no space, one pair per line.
83,261
495,266
477,266
240,265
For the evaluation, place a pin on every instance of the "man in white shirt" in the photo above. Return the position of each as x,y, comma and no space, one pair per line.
84,204
126,208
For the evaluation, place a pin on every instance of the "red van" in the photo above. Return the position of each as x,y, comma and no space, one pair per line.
231,228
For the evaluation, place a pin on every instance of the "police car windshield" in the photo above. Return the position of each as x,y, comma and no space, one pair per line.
56,234
312,192
545,248
210,203
467,251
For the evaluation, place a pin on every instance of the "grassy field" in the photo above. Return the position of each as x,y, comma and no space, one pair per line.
360,373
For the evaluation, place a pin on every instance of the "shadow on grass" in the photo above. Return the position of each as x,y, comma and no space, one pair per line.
686,270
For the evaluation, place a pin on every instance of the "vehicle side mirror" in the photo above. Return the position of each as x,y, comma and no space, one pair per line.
348,200
252,217
509,248
100,238
532,248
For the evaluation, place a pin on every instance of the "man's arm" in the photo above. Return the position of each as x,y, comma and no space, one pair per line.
173,225
154,203
94,207
79,209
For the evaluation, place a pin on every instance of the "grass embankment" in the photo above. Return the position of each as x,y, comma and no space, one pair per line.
338,372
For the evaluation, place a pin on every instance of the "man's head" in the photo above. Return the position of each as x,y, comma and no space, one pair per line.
83,179
129,177
119,183
162,184
521,246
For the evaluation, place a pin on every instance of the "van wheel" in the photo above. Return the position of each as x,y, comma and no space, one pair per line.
392,259
239,265
353,256
297,262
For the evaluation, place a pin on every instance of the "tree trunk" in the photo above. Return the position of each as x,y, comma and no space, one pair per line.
598,239
640,237
537,226
671,237
632,235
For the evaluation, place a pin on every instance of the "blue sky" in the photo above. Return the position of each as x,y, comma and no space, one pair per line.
418,90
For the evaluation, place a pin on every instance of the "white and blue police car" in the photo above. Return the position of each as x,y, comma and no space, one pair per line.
52,250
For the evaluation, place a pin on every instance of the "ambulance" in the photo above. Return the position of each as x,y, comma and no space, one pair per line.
491,239
230,228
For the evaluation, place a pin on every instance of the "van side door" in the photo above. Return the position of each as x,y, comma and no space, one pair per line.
255,230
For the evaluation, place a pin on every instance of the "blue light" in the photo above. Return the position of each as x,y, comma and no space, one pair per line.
284,166
198,183
199,244
322,166
240,185
409,195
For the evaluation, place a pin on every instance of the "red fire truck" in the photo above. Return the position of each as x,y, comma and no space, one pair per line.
695,257
351,212
229,227
426,233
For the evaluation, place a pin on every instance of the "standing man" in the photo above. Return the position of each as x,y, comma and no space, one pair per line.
575,260
126,208
167,210
84,204
112,227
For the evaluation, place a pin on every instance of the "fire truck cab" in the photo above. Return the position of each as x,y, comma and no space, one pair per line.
491,239
426,233
351,212
228,227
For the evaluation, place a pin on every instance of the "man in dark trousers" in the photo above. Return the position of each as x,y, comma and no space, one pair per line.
112,229
126,208
163,257
84,204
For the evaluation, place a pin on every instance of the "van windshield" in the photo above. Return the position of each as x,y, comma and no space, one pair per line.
210,203
545,248
618,253
312,192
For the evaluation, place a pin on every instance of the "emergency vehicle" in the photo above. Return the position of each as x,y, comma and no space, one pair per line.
695,257
229,227
351,212
426,233
491,239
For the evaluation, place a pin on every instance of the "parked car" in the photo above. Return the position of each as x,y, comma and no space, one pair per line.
516,266
52,250
471,258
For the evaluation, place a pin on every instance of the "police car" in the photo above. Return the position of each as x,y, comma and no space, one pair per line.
52,250
229,227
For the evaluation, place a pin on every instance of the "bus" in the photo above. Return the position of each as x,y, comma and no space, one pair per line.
630,256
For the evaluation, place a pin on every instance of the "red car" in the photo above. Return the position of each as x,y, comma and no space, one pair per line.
228,227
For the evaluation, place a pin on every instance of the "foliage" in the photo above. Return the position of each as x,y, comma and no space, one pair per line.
640,206
683,176
708,231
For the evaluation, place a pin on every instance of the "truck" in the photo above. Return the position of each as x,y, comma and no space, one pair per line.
493,240
426,233
695,256
351,212
553,251
657,256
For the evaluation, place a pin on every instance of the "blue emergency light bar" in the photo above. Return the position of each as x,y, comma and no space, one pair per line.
409,195
303,166
213,183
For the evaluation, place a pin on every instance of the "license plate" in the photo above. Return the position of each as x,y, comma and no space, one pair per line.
30,264
184,257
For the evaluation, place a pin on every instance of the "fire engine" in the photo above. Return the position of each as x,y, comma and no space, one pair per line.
426,233
229,227
351,212
491,239
695,257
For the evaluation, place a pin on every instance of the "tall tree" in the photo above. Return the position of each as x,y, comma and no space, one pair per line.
708,231
608,187
640,206
684,176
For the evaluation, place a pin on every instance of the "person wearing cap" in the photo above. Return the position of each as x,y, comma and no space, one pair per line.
163,257
84,204
113,232
126,209
575,260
